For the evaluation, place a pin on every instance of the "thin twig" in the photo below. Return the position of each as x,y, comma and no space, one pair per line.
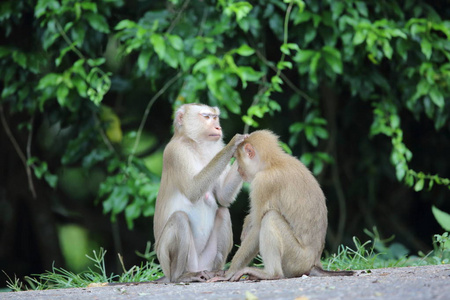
68,41
18,151
122,263
177,18
284,77
202,23
147,111
30,136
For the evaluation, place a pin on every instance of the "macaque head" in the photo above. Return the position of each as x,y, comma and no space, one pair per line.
248,161
198,122
259,151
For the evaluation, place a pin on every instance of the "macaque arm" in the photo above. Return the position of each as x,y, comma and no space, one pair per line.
203,181
246,252
245,228
229,186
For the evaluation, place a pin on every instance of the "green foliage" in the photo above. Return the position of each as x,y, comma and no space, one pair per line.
442,218
387,122
132,191
376,253
60,278
252,59
441,248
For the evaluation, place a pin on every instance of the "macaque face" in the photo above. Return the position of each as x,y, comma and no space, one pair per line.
248,162
211,124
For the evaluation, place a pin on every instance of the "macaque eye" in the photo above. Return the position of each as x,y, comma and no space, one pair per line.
207,116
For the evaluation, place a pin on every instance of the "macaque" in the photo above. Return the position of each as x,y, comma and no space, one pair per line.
287,222
192,224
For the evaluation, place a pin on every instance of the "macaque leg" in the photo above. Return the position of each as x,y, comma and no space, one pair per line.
281,251
219,244
177,252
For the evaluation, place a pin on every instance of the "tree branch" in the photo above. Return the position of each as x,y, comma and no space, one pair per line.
19,151
147,111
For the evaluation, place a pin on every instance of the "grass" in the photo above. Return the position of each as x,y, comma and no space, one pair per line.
371,254
61,278
375,254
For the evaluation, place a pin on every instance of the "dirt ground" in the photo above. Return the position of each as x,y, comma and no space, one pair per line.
429,282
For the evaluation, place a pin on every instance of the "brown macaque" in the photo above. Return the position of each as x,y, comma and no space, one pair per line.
192,224
287,222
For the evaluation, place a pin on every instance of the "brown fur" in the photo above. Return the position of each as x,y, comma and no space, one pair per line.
288,217
192,224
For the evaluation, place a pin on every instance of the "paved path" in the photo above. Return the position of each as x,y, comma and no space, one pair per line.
429,282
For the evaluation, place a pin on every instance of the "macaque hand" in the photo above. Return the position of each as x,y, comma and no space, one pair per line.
228,277
238,139
219,278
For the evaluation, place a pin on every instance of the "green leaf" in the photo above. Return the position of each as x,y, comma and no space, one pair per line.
359,37
395,121
176,42
61,95
441,217
249,121
302,16
249,74
125,24
132,212
96,62
362,8
159,44
143,59
284,64
4,51
318,167
98,22
20,58
296,127
304,56
51,179
285,49
313,67
321,132
50,79
80,85
310,34
419,185
306,158
333,58
276,83
245,50
89,6
426,48
437,97
400,172
310,136
387,49
171,57
199,47
9,90
206,62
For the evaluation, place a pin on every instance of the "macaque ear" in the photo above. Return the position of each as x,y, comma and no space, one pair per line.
179,118
249,150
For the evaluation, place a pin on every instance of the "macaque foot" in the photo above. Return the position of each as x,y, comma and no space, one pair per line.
202,276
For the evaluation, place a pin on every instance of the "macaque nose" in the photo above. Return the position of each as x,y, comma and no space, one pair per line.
218,128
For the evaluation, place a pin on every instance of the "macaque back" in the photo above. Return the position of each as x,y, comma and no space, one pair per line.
288,217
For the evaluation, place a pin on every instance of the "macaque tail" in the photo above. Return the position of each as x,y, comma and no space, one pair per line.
318,271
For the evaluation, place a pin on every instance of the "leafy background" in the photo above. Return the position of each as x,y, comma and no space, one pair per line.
358,90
